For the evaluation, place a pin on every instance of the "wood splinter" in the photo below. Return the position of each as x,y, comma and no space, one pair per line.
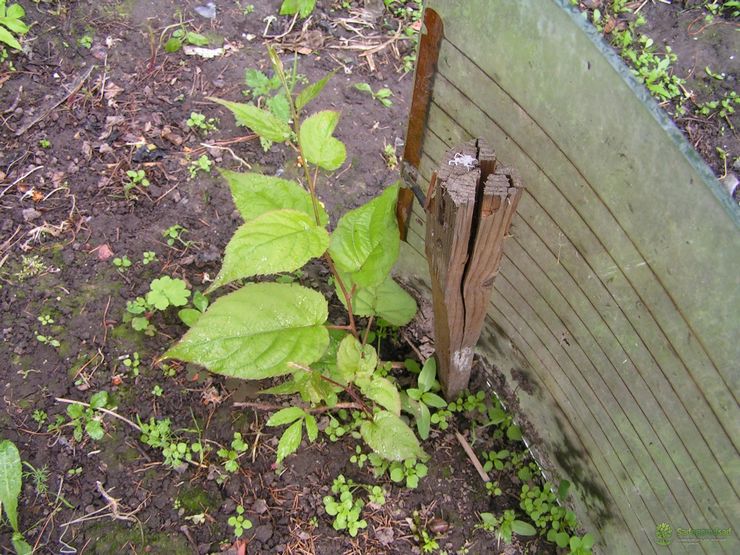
469,212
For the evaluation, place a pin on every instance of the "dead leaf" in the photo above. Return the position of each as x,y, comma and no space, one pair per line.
104,251
110,123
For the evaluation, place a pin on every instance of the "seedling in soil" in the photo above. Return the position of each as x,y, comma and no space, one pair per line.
724,107
157,390
48,340
45,143
505,525
39,477
31,266
181,37
202,164
132,363
417,400
409,471
163,293
359,458
290,317
199,123
495,460
173,235
136,179
382,95
149,257
239,523
246,10
85,41
40,417
86,420
73,472
493,489
230,456
45,319
344,507
122,263
389,154
155,433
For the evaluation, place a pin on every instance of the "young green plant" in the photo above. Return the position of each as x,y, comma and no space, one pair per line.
267,329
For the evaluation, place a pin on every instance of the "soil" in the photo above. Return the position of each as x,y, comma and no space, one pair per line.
66,216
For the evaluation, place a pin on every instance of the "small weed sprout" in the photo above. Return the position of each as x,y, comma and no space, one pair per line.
239,523
231,456
85,41
199,123
382,95
86,420
149,257
202,164
182,36
344,507
38,476
409,471
173,235
134,180
48,340
122,263
45,143
132,363
40,417
389,155
157,390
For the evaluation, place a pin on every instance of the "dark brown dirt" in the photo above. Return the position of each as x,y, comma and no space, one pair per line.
64,215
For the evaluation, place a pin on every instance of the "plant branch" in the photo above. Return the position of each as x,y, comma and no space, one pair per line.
101,409
367,329
268,406
347,388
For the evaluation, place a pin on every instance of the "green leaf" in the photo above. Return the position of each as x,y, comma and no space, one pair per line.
427,375
139,323
99,400
290,441
94,429
433,400
279,106
364,87
254,194
301,7
165,292
20,545
189,316
10,481
523,528
257,331
391,438
312,91
260,121
563,488
383,392
387,300
514,433
172,45
8,38
423,421
260,84
317,142
200,301
286,416
312,429
353,359
196,39
366,241
279,241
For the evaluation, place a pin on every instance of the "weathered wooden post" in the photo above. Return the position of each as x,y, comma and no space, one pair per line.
470,205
